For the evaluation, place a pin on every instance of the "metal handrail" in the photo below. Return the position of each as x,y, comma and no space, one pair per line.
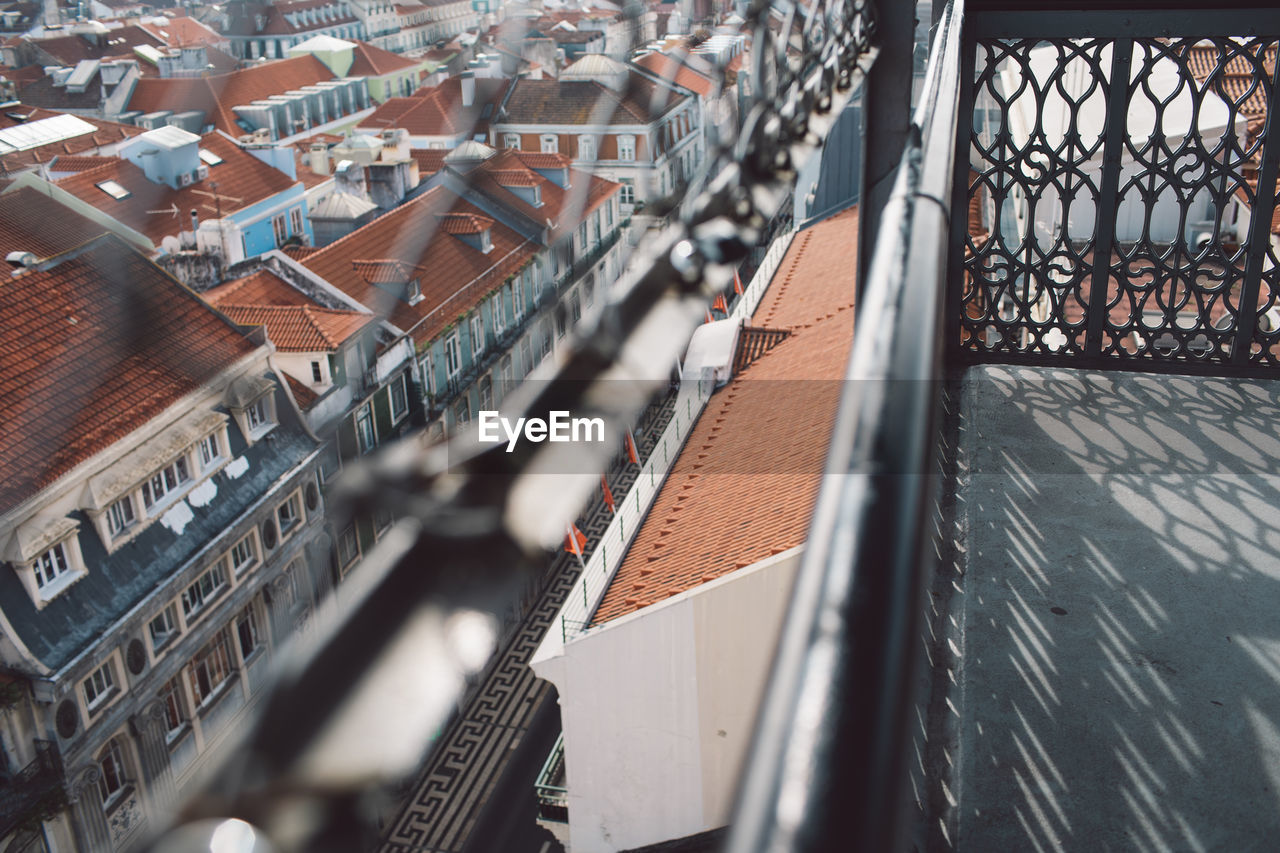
829,754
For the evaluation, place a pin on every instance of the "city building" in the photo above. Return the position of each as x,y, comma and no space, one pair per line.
159,519
621,124
31,137
183,190
658,692
259,29
387,74
442,116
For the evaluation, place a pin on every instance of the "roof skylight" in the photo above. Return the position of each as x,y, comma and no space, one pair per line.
113,189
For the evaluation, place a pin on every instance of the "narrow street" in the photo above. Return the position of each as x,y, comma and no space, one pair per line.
476,791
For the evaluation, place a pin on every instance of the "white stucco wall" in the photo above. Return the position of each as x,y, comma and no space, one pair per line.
658,706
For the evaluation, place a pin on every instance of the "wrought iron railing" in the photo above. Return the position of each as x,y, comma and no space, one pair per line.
1119,169
33,794
549,788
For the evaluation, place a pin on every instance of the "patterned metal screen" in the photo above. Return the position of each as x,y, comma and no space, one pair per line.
1119,202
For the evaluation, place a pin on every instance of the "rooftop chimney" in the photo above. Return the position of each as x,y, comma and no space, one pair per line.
319,158
468,81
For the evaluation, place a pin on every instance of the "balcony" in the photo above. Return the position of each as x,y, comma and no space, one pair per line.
34,793
553,796
1048,580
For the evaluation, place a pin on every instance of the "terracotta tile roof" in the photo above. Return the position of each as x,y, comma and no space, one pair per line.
184,31
260,288
302,395
430,160
92,348
464,223
680,70
744,485
107,133
30,221
299,252
240,176
78,162
454,276
575,102
117,42
300,328
438,110
372,61
216,94
516,178
557,202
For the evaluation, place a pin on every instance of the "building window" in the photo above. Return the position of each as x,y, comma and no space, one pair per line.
99,687
505,380
589,290
398,394
626,147
112,778
462,412
586,147
452,355
526,356
627,195
428,373
608,214
511,140
163,628
203,590
164,481
518,289
485,388
295,220
365,432
317,375
330,463
120,515
175,710
51,565
211,667
546,338
210,452
247,633
595,227
477,333
550,143
258,416
289,513
582,234
575,307
277,225
244,554
495,307
348,546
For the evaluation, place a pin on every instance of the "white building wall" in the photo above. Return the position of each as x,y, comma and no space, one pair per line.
658,707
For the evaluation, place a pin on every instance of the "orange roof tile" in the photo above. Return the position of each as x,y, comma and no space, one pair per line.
372,61
216,94
496,175
680,70
90,349
438,110
550,101
184,31
107,133
300,328
464,223
430,160
744,486
460,275
242,180
78,162
260,288
302,395
31,221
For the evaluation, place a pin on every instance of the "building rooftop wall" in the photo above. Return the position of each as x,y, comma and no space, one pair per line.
744,486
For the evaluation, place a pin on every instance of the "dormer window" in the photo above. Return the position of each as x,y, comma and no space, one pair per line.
120,516
51,566
163,482
252,403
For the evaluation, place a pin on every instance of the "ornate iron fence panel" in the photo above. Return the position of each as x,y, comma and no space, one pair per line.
1119,198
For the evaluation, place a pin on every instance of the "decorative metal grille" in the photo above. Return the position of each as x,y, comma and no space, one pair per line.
1120,200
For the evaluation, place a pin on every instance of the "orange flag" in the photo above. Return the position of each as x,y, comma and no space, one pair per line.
737,283
608,495
574,541
720,304
632,452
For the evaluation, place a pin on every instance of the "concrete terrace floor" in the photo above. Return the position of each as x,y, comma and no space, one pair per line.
1118,625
